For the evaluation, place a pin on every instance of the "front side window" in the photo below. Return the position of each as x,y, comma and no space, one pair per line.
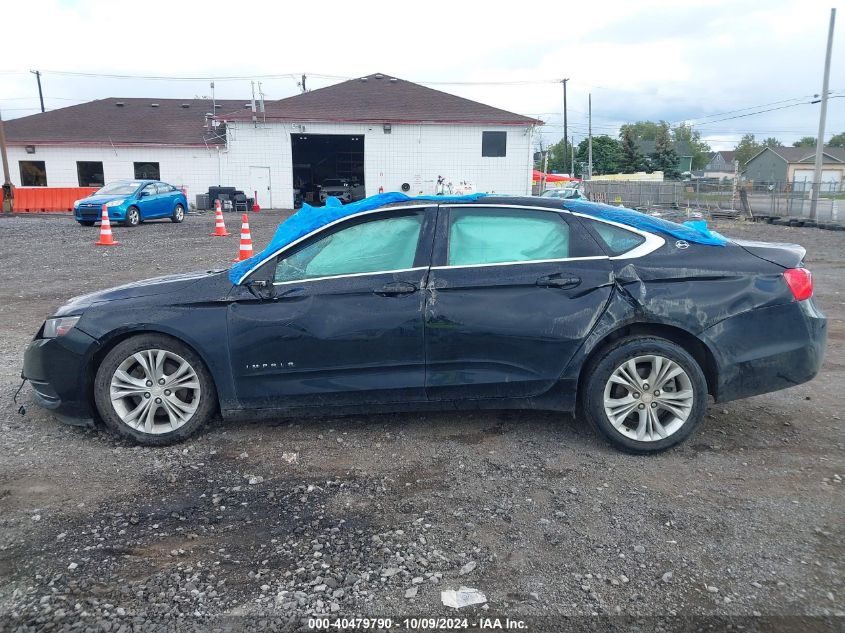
147,171
375,246
33,173
149,190
491,236
494,144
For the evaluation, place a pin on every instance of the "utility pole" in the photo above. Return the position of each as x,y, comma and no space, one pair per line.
8,189
817,176
590,137
572,162
37,74
565,132
302,83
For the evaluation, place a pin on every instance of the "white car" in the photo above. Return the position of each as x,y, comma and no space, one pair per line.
347,191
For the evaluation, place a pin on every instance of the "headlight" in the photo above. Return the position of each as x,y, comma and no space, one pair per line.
115,203
76,203
59,326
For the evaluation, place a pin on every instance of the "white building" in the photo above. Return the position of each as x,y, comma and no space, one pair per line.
385,133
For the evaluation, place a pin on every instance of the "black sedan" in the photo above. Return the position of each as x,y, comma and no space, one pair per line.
499,303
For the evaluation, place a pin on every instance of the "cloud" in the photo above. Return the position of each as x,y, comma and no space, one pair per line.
652,59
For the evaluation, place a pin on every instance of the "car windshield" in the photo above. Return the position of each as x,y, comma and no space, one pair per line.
333,182
120,188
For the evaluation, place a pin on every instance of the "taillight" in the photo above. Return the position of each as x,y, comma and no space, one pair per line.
800,282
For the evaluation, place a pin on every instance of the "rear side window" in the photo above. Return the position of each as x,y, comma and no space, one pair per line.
490,236
376,246
616,239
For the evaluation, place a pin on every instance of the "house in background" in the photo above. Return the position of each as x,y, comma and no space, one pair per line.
682,149
720,165
385,133
793,166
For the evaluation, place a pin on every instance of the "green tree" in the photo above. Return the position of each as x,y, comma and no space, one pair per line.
684,133
642,130
630,158
746,149
772,142
665,158
805,141
837,140
560,157
605,155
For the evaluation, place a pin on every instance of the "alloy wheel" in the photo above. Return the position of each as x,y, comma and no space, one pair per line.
155,391
648,398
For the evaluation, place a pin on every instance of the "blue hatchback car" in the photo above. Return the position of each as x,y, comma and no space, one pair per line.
131,202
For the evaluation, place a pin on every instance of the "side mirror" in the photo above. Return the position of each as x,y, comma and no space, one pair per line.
262,288
143,194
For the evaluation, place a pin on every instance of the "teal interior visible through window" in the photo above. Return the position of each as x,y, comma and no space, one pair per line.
380,245
618,240
488,236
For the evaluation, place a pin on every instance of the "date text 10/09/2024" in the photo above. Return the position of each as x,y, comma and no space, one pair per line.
416,624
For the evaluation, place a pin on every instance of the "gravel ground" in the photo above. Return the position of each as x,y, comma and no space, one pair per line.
260,525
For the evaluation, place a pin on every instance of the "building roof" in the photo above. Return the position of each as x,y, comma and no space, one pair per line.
381,98
804,154
727,155
119,121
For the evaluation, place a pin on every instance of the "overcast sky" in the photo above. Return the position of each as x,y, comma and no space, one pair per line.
648,59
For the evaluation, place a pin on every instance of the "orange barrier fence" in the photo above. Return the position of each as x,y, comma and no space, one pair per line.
38,199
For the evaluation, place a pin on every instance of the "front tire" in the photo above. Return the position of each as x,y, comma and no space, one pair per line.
645,394
86,222
178,214
154,390
133,217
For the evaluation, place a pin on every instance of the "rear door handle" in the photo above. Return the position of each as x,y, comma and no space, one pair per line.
396,289
558,280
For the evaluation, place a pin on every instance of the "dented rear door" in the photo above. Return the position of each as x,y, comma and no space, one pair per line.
496,329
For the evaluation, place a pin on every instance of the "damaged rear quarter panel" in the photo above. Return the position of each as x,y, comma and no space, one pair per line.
690,289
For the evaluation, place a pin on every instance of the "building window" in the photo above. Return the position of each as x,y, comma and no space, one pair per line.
147,171
33,173
494,143
90,173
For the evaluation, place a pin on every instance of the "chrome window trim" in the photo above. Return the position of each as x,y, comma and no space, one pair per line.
323,228
375,272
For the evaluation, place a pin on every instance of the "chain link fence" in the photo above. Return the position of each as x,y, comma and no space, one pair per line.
722,199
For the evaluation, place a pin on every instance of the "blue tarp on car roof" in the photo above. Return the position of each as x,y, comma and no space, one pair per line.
693,232
309,219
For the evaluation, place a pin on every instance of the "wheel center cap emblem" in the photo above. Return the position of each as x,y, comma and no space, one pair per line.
647,398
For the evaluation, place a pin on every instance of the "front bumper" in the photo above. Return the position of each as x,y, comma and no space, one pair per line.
767,349
58,369
82,214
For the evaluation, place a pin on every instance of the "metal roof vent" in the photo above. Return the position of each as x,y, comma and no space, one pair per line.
218,105
393,80
363,79
186,105
153,105
120,104
379,76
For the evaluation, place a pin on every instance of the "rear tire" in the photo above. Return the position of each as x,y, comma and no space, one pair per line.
635,415
178,214
154,390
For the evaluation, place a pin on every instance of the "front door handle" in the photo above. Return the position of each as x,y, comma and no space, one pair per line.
558,280
396,289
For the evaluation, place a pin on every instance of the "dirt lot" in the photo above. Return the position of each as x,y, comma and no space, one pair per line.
258,525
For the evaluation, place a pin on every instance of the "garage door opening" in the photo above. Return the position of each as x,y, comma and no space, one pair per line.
327,164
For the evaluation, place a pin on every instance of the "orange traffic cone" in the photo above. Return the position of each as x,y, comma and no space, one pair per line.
106,238
246,241
255,206
219,225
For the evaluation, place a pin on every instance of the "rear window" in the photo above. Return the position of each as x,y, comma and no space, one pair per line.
616,239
